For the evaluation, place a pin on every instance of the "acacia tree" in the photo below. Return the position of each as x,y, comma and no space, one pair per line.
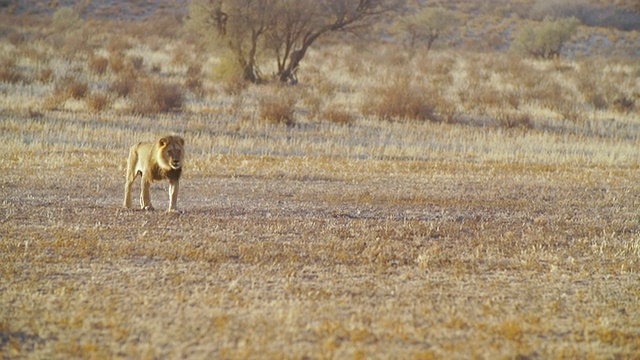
284,29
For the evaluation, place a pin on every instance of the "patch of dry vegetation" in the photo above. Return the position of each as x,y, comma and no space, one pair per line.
446,204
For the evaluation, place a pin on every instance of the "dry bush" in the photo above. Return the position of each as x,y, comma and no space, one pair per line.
447,110
119,45
54,101
10,74
278,107
234,85
194,79
98,65
98,102
156,68
17,38
512,119
45,76
401,99
65,19
123,85
312,102
72,87
623,104
117,62
137,62
338,116
151,96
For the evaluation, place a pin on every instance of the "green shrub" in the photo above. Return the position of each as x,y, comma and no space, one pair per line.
546,39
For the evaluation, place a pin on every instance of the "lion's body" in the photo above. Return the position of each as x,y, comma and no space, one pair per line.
155,161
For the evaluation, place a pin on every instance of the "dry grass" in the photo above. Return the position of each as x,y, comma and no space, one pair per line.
506,228
291,248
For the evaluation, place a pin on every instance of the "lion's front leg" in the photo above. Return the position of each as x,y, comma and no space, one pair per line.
174,186
127,192
145,195
131,177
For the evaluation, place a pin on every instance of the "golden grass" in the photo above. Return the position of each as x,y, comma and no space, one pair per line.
504,227
291,249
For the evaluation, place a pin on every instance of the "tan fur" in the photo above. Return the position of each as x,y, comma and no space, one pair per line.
155,161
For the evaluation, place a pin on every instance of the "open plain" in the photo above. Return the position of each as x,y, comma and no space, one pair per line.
442,204
318,256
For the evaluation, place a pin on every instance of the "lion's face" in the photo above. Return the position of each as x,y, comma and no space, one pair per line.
172,151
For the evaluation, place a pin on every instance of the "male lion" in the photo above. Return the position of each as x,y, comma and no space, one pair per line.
155,161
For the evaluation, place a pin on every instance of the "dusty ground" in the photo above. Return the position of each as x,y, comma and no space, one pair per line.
319,257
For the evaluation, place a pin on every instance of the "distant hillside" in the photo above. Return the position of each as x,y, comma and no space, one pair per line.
610,28
100,10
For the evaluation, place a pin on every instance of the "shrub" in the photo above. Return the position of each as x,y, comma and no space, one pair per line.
116,62
194,80
10,74
124,84
72,88
152,96
337,116
278,108
46,75
65,18
137,62
512,119
98,102
98,65
546,39
400,100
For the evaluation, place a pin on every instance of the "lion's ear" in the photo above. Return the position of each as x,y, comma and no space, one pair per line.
163,142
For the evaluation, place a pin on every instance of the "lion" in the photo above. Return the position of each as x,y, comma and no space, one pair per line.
155,161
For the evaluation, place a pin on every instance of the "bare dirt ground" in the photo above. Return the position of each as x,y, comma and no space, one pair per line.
299,257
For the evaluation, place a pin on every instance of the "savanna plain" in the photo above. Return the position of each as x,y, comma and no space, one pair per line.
495,214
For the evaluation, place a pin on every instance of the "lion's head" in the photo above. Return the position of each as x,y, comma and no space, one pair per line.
172,151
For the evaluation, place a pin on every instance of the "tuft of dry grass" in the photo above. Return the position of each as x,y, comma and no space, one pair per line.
98,65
